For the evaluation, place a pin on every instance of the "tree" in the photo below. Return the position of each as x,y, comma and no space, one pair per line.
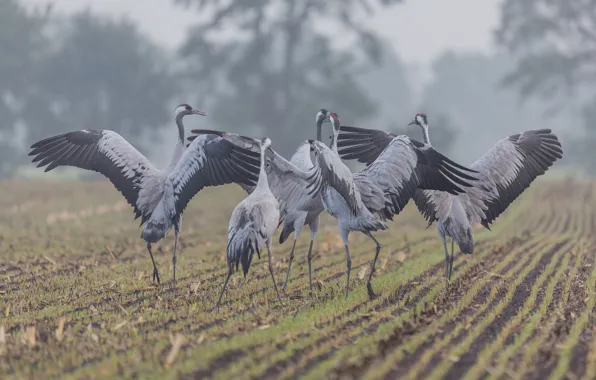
262,64
555,43
21,42
387,86
101,74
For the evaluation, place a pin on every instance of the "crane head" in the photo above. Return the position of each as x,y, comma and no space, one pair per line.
184,109
265,142
322,117
420,120
334,118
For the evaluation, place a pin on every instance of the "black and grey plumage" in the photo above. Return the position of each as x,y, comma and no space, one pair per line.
158,197
255,218
301,209
363,200
504,172
289,182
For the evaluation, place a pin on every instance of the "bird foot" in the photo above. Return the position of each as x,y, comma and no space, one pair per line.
371,292
156,276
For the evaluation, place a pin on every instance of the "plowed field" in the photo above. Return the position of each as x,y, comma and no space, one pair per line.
77,300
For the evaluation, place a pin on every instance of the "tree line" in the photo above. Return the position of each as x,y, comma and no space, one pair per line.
261,67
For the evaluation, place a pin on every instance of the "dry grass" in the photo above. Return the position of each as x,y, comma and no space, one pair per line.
77,300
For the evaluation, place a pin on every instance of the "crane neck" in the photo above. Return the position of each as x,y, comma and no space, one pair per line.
179,148
334,142
180,126
335,124
426,135
263,183
319,130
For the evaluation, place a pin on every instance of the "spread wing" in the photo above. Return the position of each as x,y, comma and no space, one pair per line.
364,145
511,165
211,160
403,167
102,151
505,171
291,186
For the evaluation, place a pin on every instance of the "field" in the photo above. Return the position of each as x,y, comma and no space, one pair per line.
77,300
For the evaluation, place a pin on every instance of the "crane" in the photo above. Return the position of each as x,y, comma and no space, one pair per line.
159,197
504,172
255,219
383,188
304,210
289,182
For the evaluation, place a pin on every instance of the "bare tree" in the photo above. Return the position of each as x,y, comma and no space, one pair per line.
554,42
267,66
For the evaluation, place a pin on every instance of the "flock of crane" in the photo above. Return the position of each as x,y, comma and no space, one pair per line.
294,193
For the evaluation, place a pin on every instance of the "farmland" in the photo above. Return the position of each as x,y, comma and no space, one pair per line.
77,300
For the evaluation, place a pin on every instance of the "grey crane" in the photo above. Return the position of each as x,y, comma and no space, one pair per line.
255,219
504,172
383,188
290,182
299,210
159,197
305,210
302,209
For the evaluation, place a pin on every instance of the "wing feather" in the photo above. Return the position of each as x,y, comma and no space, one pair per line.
292,187
102,151
336,174
403,167
211,160
364,145
509,168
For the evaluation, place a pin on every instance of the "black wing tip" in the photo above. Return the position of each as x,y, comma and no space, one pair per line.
47,140
206,132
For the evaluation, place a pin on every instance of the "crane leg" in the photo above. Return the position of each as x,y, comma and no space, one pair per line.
446,257
451,259
176,235
309,257
314,228
155,272
348,268
289,265
371,292
271,270
223,290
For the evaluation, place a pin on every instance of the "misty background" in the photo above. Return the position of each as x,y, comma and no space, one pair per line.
479,70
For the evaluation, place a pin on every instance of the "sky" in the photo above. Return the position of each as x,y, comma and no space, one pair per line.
418,29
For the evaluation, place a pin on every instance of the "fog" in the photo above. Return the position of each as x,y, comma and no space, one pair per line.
479,70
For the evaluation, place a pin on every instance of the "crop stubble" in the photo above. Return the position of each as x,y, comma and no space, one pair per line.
522,306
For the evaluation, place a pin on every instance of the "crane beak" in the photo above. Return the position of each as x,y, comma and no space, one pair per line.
413,122
198,112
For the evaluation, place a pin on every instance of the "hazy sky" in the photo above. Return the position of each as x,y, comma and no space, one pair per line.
419,29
